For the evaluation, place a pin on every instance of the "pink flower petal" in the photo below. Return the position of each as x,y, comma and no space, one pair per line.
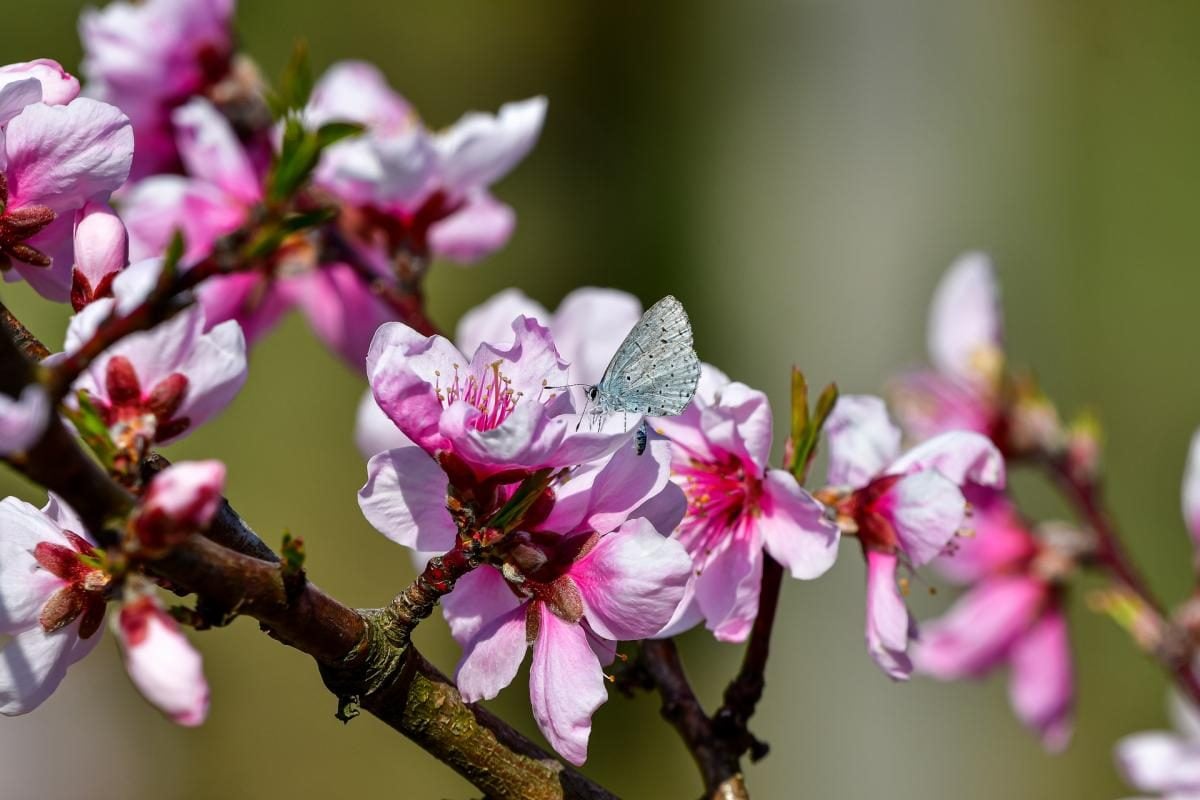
101,246
975,635
481,227
794,528
405,499
480,597
356,91
728,587
24,585
492,657
566,685
862,440
16,92
480,149
960,456
211,151
23,419
216,370
161,662
58,87
632,581
33,664
888,622
341,310
589,325
926,510
373,431
965,323
1157,761
1191,491
60,156
1042,687
491,321
602,495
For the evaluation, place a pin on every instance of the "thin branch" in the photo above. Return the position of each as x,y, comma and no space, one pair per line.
29,344
1086,496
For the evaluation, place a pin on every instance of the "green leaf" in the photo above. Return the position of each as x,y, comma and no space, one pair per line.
92,428
334,132
296,83
806,442
309,219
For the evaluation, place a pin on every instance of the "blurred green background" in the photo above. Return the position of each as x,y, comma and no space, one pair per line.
798,174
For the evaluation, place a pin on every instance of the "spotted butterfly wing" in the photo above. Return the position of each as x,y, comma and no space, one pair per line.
656,369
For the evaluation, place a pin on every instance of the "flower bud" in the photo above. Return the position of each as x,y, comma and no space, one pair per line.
181,500
161,662
101,251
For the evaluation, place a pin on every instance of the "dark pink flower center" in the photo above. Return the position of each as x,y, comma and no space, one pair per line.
83,594
492,394
721,496
868,509
537,566
129,406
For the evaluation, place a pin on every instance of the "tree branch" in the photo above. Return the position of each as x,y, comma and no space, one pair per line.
1086,496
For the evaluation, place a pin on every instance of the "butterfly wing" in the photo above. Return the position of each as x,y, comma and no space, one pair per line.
656,369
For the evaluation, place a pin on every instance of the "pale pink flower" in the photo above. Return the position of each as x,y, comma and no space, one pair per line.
181,500
737,507
161,383
161,662
1166,764
40,81
51,602
421,191
588,327
904,508
23,419
54,159
966,348
1012,615
150,57
101,251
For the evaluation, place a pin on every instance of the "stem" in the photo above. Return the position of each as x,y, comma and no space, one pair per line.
1085,496
403,296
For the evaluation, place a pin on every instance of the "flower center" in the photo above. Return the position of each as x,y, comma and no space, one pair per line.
130,413
17,225
492,394
83,594
721,496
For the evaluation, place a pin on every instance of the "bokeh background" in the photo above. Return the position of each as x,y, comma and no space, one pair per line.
798,174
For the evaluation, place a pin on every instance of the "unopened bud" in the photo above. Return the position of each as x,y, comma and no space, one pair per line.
181,500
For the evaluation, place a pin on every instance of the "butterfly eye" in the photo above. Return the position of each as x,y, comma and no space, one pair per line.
592,392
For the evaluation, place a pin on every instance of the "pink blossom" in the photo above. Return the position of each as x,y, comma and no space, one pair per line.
588,327
22,419
161,383
492,412
150,57
1166,764
424,192
223,186
737,506
181,500
40,81
164,667
904,508
51,602
101,251
572,603
966,346
54,159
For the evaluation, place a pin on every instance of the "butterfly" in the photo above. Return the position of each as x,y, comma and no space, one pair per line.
654,371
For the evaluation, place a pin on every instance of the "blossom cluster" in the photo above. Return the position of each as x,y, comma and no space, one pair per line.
181,252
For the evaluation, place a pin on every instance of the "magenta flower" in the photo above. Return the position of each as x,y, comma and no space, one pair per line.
22,419
737,506
1191,493
51,602
421,191
161,662
54,159
150,57
161,383
966,347
1012,615
1166,764
905,509
492,413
